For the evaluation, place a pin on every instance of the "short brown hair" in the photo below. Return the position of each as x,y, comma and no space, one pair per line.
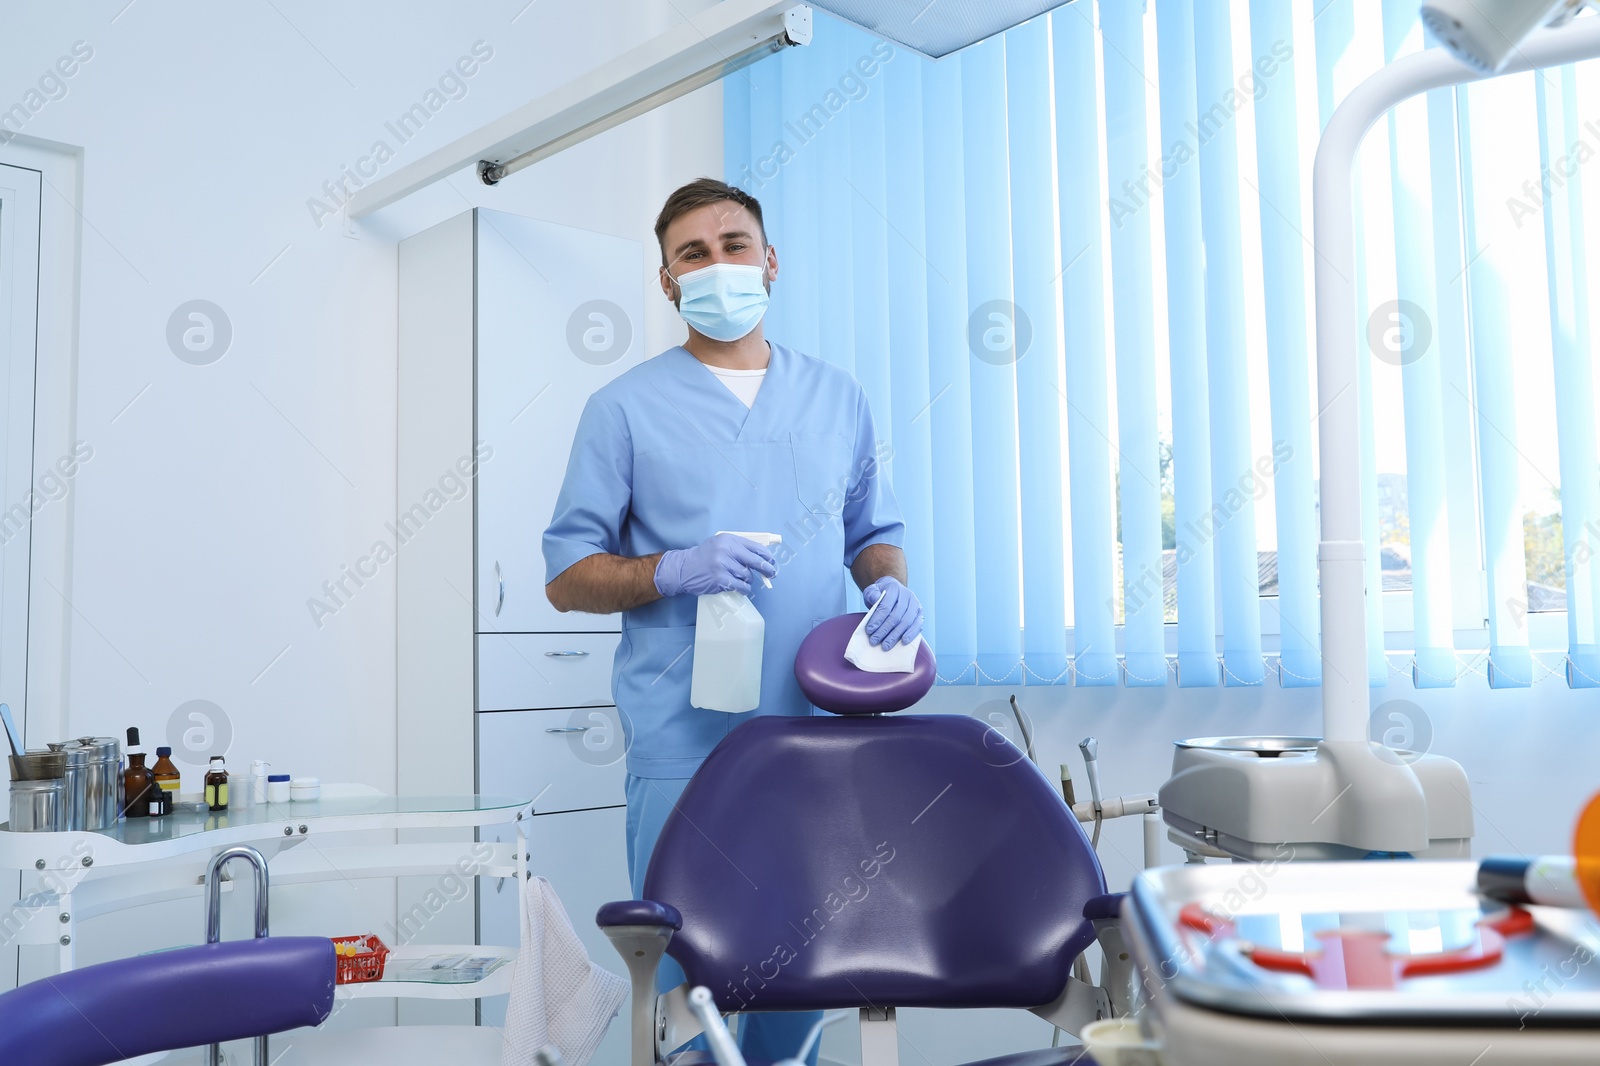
699,193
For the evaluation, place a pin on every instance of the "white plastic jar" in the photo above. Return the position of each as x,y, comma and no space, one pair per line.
305,789
278,788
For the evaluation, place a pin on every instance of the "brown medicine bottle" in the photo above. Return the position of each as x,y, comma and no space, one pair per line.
137,784
168,779
137,780
217,784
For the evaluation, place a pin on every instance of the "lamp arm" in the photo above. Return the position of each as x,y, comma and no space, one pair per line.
1342,553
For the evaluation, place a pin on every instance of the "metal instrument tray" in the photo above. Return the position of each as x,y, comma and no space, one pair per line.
1545,977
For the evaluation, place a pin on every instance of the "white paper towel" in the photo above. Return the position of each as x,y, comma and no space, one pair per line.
860,652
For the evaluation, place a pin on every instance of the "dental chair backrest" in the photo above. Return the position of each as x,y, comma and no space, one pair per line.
183,998
831,862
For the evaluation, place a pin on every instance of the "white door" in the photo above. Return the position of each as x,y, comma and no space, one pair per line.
19,299
20,496
560,313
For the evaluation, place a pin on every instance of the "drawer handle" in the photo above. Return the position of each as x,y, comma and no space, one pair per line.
500,581
565,654
568,729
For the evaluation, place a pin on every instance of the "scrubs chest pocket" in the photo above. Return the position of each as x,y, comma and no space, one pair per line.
822,471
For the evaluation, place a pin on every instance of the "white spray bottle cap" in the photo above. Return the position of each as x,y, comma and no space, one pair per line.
766,540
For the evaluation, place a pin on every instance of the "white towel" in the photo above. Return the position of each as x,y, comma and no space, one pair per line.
557,995
901,659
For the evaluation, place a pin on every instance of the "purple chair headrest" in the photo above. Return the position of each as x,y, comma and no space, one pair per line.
833,684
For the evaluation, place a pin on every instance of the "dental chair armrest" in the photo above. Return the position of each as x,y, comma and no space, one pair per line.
128,1008
1104,908
639,929
638,912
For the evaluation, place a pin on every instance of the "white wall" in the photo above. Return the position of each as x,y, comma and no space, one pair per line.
220,497
225,495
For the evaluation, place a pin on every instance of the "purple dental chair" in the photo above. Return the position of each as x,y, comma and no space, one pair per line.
169,1000
869,861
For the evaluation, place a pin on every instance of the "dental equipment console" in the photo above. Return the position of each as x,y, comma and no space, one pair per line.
1096,810
1342,796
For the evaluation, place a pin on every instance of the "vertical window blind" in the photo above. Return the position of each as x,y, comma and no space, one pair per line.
1071,268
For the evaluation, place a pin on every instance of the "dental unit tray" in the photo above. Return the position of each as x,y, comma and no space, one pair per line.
1386,944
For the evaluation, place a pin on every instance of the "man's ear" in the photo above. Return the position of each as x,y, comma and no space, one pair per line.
772,263
668,286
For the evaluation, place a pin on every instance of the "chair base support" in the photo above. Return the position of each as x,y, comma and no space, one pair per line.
880,1039
676,1024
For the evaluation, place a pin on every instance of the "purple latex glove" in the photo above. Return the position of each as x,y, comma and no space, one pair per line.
899,618
722,564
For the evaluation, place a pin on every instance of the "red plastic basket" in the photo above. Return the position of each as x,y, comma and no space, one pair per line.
365,965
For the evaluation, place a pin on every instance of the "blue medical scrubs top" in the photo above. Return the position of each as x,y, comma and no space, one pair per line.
666,456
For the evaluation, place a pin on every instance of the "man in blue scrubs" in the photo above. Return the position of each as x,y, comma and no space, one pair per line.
726,432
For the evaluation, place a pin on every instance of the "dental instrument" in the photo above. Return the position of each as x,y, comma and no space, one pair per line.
1091,761
1549,880
723,1049
1027,745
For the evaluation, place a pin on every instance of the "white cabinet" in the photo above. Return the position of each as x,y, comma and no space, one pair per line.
559,313
506,326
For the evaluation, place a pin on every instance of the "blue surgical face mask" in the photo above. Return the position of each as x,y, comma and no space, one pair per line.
723,301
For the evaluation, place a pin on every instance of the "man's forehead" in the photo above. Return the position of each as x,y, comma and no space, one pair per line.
724,218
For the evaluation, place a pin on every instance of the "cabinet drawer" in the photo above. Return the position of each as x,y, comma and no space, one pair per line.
523,671
564,760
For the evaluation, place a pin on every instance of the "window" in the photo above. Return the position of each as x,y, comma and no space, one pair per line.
1072,268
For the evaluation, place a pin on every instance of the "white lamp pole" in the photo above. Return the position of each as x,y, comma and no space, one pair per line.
1345,693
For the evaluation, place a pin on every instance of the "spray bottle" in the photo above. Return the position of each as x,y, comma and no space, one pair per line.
728,638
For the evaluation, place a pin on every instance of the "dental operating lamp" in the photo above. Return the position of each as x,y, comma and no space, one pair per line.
1343,796
1484,33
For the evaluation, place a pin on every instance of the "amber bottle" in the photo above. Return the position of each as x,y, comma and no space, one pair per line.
217,784
167,776
137,784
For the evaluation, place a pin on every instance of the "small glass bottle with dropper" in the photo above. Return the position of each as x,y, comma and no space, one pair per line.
137,780
217,784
